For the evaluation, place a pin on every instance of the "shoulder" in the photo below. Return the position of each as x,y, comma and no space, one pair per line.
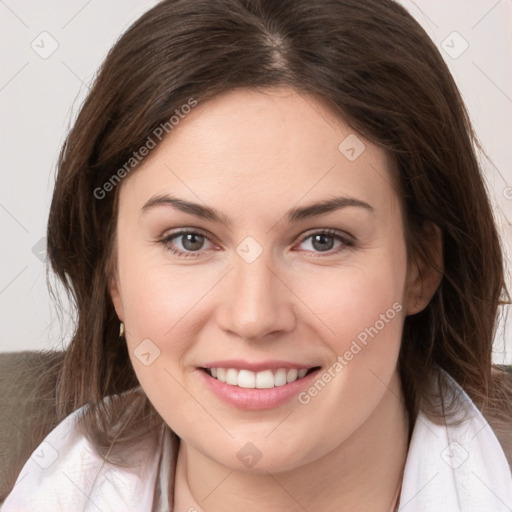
500,417
455,463
66,473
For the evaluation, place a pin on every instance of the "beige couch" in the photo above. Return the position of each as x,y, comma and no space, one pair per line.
26,387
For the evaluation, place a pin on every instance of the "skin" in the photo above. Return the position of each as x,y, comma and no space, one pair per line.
253,156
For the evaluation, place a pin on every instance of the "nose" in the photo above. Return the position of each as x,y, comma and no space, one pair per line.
256,302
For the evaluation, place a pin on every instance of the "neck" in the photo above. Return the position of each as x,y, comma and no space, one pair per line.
361,474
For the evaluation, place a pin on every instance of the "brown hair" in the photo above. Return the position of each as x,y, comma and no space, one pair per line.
373,64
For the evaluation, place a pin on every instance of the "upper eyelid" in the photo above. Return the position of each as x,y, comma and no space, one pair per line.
328,231
185,231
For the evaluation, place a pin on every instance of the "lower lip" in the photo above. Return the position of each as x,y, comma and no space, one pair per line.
253,398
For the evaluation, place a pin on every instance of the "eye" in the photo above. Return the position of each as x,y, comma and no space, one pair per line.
324,241
190,243
187,244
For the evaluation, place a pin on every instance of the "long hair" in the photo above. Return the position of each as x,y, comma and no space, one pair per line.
375,67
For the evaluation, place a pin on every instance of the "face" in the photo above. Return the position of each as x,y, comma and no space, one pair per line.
262,237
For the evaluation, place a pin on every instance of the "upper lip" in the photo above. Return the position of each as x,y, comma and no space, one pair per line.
256,366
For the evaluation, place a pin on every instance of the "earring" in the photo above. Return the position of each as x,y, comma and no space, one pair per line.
121,330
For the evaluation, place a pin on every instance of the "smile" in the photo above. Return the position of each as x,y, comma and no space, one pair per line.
264,386
257,380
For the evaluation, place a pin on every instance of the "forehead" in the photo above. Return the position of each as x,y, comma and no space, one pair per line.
255,149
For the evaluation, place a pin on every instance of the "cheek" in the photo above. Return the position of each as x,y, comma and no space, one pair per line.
364,312
159,298
164,304
355,301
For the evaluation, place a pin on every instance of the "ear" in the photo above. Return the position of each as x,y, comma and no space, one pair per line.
115,295
424,273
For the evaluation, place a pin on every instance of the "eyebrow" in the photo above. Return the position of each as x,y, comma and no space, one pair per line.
293,215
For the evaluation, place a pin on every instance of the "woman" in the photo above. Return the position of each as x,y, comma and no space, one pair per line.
280,204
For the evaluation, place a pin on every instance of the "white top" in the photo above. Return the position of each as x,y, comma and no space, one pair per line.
448,469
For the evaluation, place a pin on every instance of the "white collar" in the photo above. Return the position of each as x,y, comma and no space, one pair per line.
449,468
456,467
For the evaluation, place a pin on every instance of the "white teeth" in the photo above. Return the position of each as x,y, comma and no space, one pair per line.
292,375
280,377
261,380
246,379
232,376
302,372
265,379
221,374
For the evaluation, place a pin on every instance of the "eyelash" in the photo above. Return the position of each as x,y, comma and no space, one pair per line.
345,241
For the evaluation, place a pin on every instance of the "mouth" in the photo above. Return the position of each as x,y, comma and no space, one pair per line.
256,385
264,379
264,386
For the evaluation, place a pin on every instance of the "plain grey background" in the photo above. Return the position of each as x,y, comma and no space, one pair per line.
50,52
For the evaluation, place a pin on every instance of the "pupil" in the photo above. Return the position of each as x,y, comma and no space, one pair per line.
193,241
322,239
